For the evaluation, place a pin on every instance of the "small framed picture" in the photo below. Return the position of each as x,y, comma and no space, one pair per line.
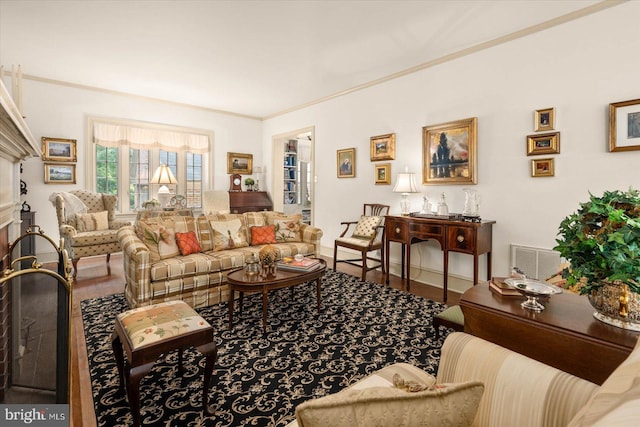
383,147
240,163
347,163
59,173
624,125
547,143
59,150
542,167
383,174
545,119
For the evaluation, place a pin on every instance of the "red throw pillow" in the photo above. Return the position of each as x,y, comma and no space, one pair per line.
188,243
261,235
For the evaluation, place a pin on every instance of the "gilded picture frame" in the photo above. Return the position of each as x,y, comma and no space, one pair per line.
382,174
547,143
383,147
59,149
542,167
624,125
346,163
239,163
449,152
545,119
59,173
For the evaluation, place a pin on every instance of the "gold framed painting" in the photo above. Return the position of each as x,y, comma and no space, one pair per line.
240,163
383,147
383,174
449,152
545,119
547,143
542,167
624,125
59,173
59,150
346,163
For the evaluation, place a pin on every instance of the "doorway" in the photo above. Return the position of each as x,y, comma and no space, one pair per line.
293,173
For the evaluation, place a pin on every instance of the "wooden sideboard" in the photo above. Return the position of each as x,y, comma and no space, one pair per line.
249,201
565,335
473,238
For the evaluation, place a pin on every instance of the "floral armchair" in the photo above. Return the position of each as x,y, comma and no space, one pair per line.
90,229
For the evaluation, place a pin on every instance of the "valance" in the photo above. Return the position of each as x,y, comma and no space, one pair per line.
116,135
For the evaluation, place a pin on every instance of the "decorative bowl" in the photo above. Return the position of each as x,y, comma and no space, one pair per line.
533,289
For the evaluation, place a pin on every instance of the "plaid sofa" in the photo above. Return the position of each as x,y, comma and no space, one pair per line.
199,278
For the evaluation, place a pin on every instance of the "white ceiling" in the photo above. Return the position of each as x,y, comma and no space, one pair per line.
256,58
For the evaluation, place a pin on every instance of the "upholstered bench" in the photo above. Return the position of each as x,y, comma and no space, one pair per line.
451,317
147,332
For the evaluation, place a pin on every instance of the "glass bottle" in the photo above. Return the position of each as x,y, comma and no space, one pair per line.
443,209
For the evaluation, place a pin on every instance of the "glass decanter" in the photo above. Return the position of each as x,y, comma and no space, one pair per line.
471,202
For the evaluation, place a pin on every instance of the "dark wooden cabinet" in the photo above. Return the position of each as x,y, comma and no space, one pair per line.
249,201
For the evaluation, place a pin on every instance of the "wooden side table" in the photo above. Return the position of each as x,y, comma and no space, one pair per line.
565,335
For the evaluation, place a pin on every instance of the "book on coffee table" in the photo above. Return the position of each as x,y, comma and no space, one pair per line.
500,287
306,264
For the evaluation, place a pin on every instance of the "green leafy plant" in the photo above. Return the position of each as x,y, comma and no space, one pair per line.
249,181
602,242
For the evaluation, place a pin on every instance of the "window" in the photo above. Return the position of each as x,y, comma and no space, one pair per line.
143,147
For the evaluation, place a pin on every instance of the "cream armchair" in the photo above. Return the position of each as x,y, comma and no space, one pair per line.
89,233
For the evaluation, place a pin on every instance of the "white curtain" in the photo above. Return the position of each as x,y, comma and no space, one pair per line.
115,135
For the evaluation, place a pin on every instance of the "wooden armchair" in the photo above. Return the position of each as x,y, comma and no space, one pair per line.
91,233
367,236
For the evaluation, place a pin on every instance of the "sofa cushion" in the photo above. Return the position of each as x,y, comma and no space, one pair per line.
91,238
95,221
263,235
287,226
617,402
228,234
159,238
375,401
188,243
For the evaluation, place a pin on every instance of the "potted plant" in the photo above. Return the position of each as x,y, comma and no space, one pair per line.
249,183
602,243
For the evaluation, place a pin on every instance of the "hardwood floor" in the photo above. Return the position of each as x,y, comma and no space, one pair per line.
97,278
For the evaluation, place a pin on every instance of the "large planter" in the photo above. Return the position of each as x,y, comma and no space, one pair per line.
616,305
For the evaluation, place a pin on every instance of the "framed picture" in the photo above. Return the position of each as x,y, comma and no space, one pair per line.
545,119
542,167
59,173
449,152
347,163
240,163
624,125
383,147
547,143
59,150
383,174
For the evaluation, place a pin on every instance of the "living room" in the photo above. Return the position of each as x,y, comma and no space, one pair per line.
578,67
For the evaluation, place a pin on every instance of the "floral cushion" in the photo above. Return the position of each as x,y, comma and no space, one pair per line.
159,322
263,235
95,221
188,243
159,237
228,234
367,226
287,227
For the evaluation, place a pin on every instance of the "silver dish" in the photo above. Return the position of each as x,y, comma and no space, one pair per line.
533,289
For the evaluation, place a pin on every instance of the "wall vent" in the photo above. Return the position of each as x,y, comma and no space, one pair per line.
537,263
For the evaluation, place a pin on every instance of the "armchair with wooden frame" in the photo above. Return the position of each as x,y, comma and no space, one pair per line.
367,236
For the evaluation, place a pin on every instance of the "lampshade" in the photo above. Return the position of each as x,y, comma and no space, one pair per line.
163,175
405,184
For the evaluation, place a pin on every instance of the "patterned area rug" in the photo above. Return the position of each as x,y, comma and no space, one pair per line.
259,379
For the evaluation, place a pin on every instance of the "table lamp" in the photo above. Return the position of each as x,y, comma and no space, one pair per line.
163,176
405,184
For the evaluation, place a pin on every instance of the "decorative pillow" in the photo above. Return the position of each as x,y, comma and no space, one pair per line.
228,234
287,227
159,237
188,243
444,404
94,221
263,235
367,226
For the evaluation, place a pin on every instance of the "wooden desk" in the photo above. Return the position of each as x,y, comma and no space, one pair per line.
474,238
565,335
249,201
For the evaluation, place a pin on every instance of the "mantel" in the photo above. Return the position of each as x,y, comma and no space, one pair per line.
16,141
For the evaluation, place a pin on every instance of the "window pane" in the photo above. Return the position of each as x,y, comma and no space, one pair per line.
170,158
106,170
194,180
138,178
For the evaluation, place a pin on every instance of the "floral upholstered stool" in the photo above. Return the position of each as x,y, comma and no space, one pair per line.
147,332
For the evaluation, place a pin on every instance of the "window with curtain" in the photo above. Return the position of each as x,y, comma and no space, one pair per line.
143,148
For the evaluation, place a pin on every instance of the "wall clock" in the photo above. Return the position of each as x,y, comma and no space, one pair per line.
235,182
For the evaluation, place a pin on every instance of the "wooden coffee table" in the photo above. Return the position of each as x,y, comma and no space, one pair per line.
239,281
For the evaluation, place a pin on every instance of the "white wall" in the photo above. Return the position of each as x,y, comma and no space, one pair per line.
62,112
578,68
